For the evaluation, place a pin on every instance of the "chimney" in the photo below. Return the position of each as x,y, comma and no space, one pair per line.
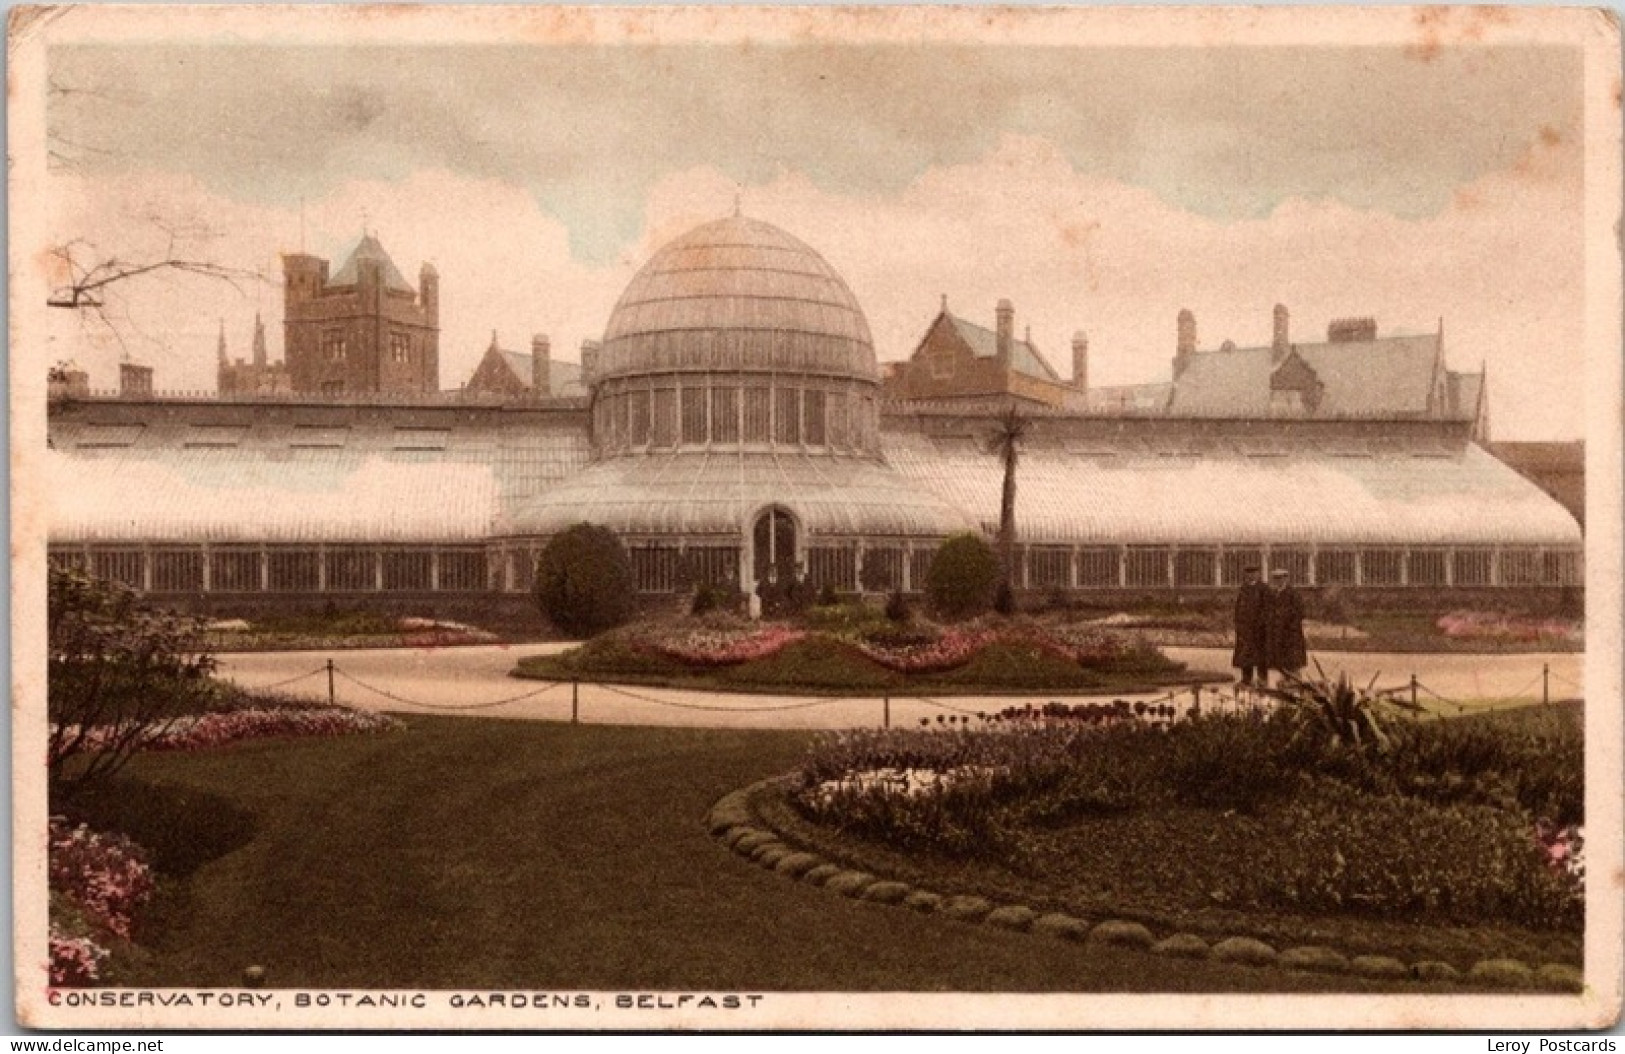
1080,361
1281,346
1005,331
1351,330
134,380
429,292
220,348
589,360
1185,346
259,341
541,366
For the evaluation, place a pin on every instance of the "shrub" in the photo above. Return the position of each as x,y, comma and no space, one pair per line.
584,580
118,673
1004,599
963,576
826,595
704,600
897,606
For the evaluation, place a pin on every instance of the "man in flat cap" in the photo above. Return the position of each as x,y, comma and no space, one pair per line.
1284,647
1249,655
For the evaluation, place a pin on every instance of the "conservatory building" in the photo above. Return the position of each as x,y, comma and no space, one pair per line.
734,430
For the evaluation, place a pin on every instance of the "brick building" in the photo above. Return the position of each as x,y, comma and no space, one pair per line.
515,375
256,376
364,329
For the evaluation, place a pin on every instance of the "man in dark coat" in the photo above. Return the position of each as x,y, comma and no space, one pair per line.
1249,655
1284,647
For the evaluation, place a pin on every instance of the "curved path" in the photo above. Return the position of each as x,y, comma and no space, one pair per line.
474,681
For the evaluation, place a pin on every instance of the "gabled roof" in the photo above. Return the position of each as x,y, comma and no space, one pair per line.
369,248
564,378
984,344
1365,378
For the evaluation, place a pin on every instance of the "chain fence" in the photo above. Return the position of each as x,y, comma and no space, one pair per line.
1174,704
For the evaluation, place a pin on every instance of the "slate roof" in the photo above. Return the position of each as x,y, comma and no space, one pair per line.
1024,357
369,248
564,377
1370,378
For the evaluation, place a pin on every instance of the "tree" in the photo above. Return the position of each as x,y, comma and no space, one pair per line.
1005,441
963,576
584,582
118,674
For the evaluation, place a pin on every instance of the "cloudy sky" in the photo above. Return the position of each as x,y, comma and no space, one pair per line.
1100,189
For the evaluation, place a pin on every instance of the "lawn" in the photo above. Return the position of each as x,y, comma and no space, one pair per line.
1423,850
475,853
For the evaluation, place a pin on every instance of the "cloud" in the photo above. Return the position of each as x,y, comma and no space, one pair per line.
1500,263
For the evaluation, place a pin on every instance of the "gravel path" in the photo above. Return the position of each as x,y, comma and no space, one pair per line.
474,681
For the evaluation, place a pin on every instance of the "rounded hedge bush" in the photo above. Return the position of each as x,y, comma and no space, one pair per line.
584,580
963,576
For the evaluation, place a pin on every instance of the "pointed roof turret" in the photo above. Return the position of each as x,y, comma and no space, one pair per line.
369,248
259,340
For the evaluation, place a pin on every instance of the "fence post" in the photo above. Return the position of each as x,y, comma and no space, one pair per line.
331,698
1545,684
886,711
1413,689
575,701
1196,700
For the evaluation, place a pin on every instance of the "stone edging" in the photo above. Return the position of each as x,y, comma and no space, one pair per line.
732,822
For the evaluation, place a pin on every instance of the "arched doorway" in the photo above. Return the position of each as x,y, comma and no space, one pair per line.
773,543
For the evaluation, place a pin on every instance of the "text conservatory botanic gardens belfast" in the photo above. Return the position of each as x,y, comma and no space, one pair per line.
733,425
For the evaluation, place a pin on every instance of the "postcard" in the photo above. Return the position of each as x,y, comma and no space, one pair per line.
545,518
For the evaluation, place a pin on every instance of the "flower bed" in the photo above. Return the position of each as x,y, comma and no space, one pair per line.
719,645
98,881
1485,625
924,652
206,731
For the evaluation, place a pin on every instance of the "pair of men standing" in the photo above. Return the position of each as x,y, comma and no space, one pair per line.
1269,627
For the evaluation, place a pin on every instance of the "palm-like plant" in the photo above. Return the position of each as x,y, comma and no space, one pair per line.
1005,441
1344,715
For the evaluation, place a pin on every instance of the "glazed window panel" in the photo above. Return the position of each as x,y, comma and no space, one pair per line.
813,417
1049,567
351,570
919,566
235,570
523,570
832,565
1099,567
713,565
1195,567
787,416
1521,567
1148,566
1473,567
663,431
882,570
694,416
177,571
1334,567
758,415
1236,562
640,418
119,565
654,568
725,415
296,571
69,560
1562,569
406,571
462,571
1381,567
1295,562
835,417
1428,567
